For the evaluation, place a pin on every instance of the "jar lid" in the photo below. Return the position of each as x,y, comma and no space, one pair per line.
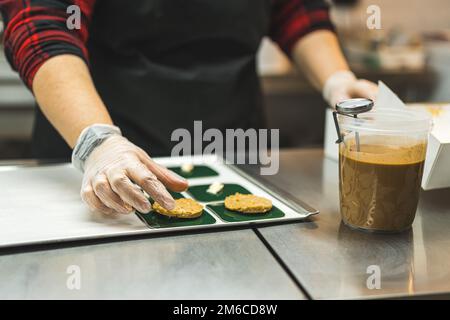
354,106
389,121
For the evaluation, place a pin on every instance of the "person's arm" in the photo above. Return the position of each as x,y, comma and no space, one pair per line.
52,61
66,95
320,58
304,31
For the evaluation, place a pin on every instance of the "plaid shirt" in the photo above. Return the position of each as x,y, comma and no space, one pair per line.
36,30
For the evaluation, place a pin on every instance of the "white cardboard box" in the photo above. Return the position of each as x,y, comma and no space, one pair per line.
437,164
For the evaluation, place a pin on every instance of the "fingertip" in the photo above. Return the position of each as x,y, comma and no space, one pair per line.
145,209
180,186
171,179
103,211
123,209
177,181
169,204
128,210
339,99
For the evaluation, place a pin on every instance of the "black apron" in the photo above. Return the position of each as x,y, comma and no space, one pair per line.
161,64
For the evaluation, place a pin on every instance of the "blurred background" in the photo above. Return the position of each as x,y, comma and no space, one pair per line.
410,53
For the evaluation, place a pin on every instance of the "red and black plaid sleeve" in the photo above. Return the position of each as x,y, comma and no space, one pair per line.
292,19
36,30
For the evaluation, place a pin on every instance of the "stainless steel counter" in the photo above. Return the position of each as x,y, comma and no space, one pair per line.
325,258
221,265
332,261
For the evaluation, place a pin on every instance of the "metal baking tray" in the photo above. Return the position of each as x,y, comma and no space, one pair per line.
47,208
208,170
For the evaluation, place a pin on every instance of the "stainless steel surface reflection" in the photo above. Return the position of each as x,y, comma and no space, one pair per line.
332,261
221,265
327,258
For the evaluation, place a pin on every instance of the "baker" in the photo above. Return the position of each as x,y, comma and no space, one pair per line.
111,91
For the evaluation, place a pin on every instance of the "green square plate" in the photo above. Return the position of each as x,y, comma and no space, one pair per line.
234,216
199,192
176,195
199,171
156,220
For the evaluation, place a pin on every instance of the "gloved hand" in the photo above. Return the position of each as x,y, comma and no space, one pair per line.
116,170
344,85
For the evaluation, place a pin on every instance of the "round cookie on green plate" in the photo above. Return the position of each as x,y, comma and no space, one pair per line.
184,208
248,203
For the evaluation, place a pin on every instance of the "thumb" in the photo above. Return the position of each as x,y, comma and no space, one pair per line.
363,89
338,97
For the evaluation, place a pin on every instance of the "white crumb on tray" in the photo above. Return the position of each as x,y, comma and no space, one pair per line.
187,167
215,188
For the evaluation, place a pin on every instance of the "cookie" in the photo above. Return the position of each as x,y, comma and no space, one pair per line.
247,203
184,208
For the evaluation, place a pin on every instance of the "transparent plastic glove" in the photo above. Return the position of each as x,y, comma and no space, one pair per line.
114,174
343,85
